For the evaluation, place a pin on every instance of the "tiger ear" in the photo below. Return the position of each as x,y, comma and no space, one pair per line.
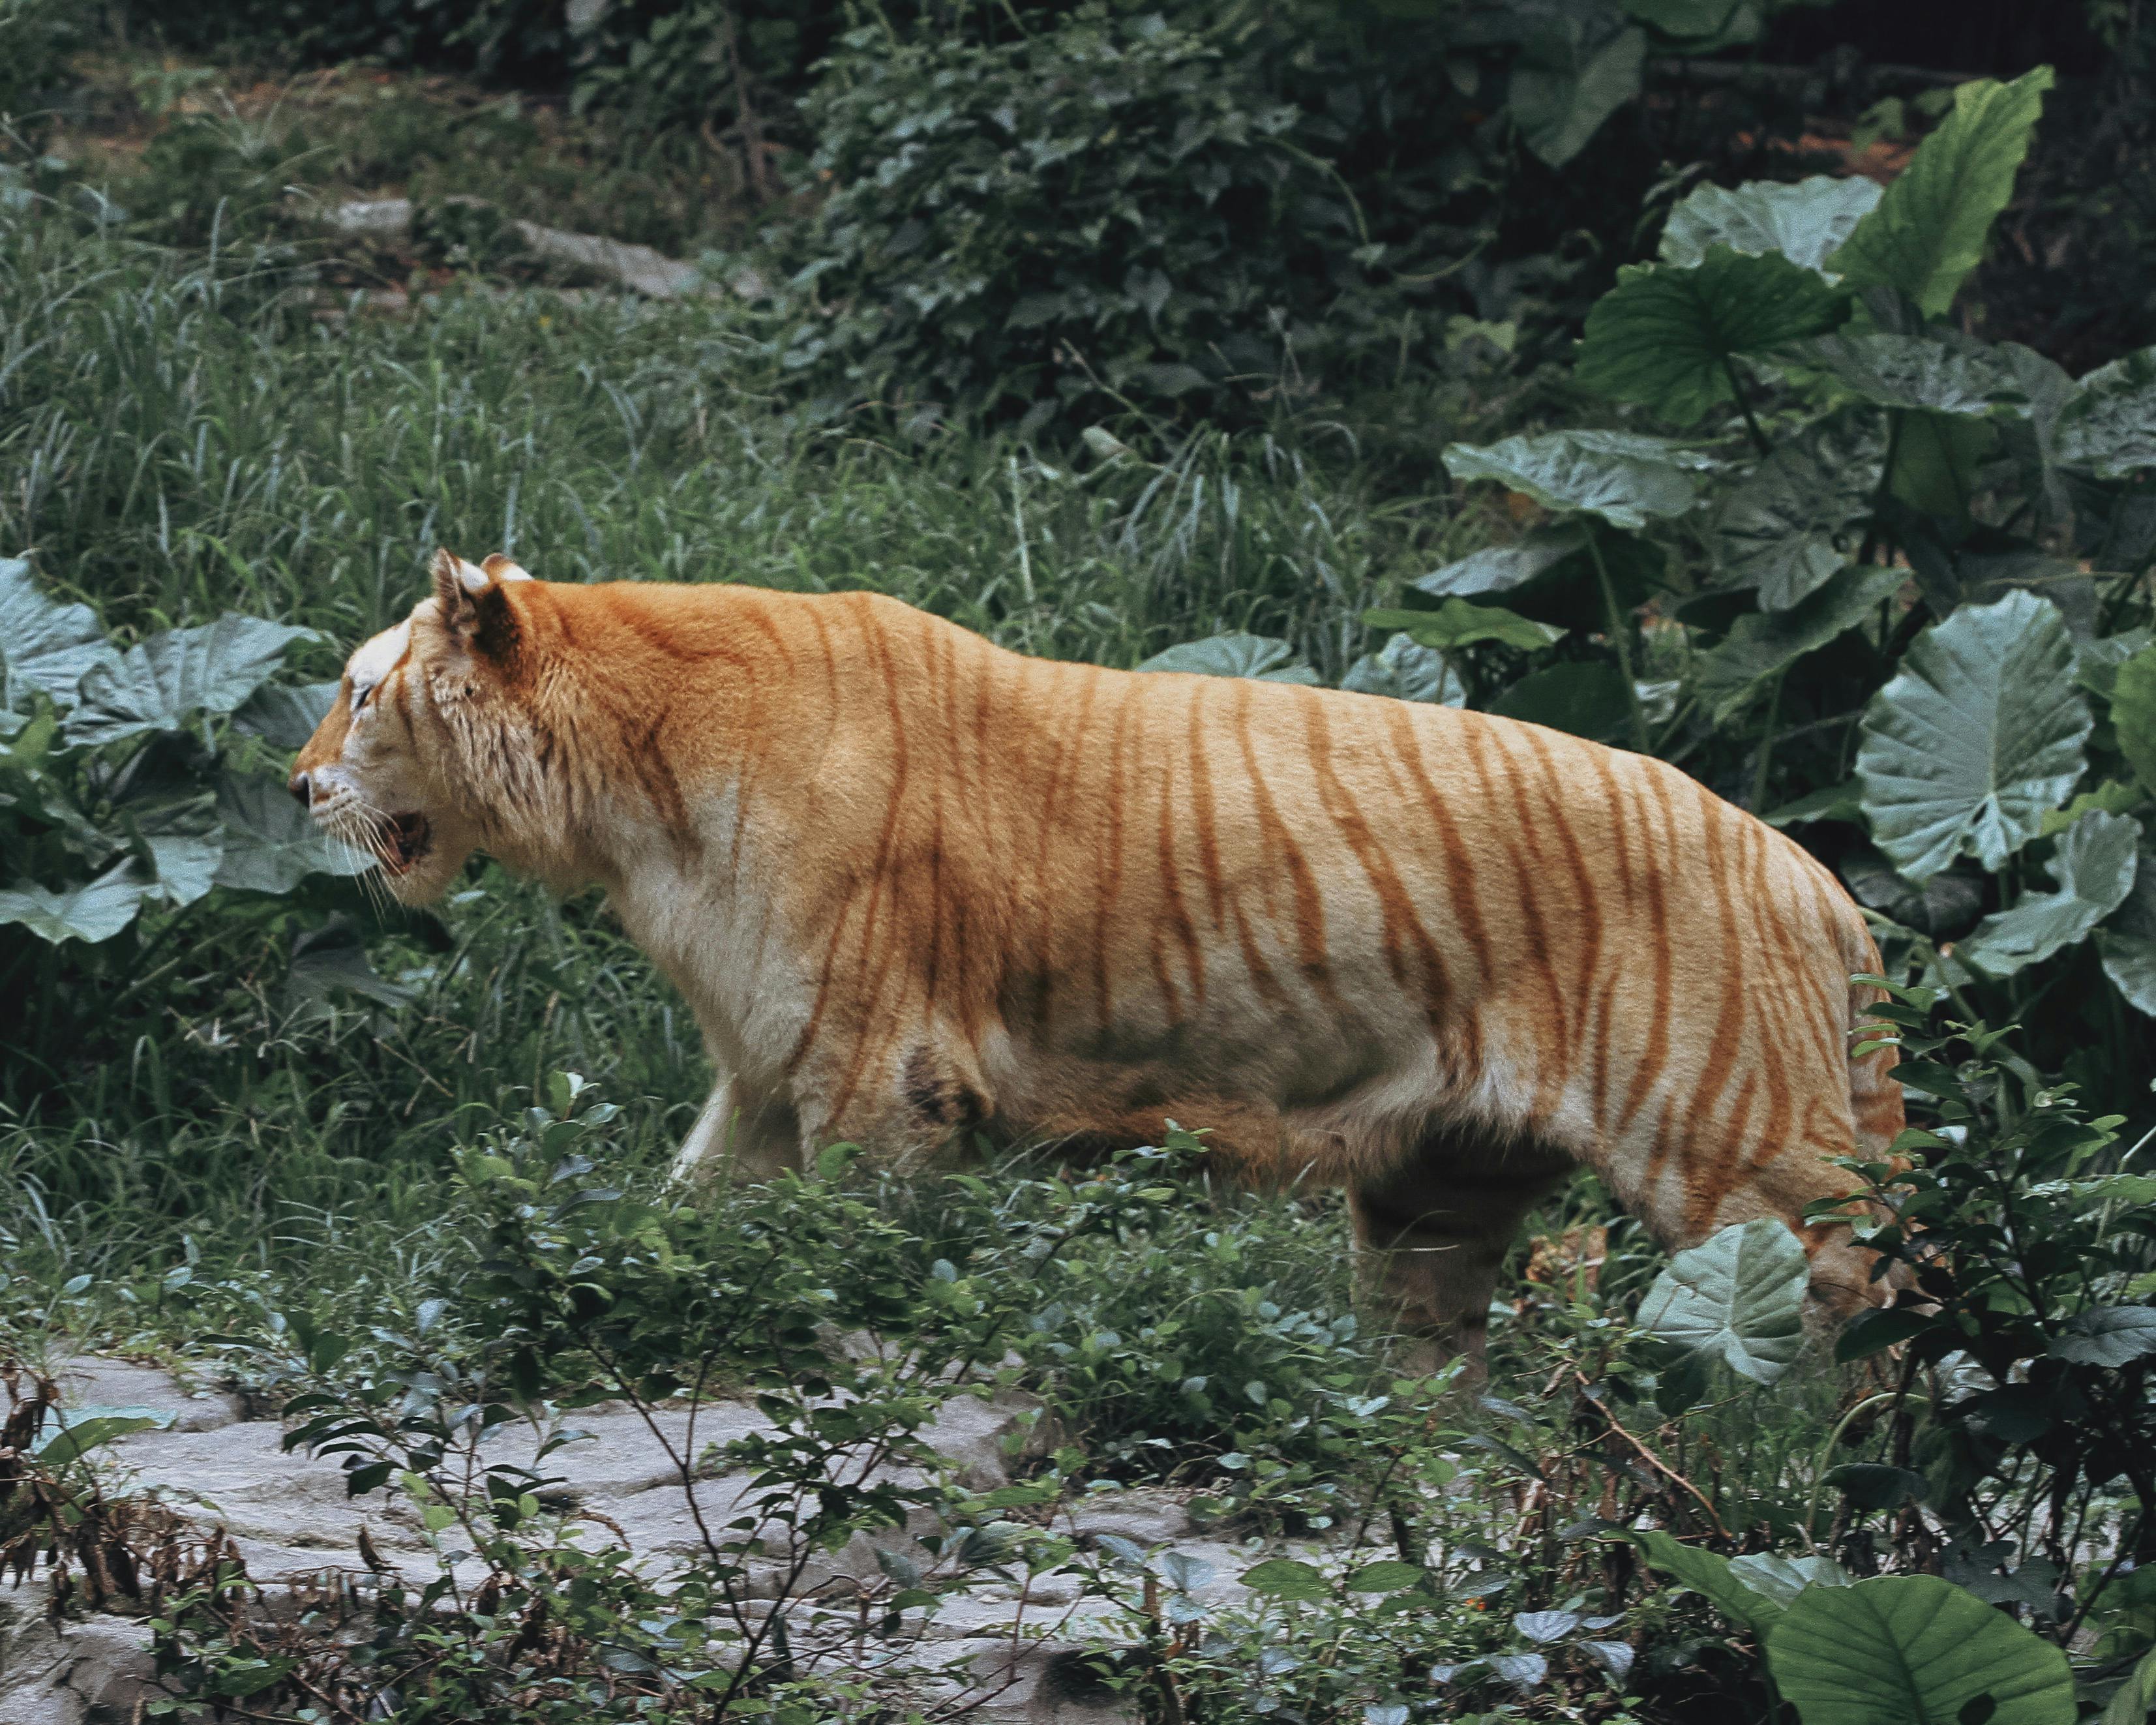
472,603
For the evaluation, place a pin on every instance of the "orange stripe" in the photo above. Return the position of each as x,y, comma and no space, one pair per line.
1311,951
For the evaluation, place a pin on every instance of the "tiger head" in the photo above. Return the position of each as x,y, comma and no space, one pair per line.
389,770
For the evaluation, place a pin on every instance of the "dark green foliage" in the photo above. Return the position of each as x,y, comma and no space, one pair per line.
1106,211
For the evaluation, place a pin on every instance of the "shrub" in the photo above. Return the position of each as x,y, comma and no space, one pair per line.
35,37
1107,209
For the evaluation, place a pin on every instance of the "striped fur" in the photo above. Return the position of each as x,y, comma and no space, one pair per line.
912,884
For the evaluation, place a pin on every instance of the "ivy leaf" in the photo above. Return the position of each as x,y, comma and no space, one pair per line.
1805,221
1916,372
1739,1297
1235,655
2126,943
270,844
1913,1650
1781,528
44,644
155,687
1620,475
1927,231
1764,642
1668,338
1406,672
1457,623
1564,85
2108,426
1975,739
2094,866
94,911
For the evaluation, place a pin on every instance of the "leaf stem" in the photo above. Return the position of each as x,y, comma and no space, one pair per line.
1621,640
1767,743
1744,405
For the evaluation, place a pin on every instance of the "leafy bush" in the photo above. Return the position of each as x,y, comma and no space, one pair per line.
1107,207
1185,209
134,790
35,39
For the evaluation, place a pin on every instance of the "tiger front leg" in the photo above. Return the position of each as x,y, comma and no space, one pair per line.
741,1133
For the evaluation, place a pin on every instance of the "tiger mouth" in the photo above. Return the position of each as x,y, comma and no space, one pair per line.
403,842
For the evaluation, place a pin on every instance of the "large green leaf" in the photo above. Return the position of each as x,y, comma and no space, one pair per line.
2094,866
1668,338
185,864
1929,231
1622,476
1739,1298
44,646
270,844
2133,713
1457,623
1783,527
2108,1336
156,685
2126,943
1764,642
1406,672
1913,1650
1586,699
1896,371
1550,573
94,911
1567,80
1805,221
1975,739
1708,1574
1701,25
2134,1699
1258,656
333,957
283,716
2108,425
1781,1580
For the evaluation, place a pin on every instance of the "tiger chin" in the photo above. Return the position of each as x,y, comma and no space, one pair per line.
913,885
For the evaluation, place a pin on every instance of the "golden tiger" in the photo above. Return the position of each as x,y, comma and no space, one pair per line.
913,885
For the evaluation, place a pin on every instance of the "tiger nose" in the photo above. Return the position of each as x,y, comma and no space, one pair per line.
302,785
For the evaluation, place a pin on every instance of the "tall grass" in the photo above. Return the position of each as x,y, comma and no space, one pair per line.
181,436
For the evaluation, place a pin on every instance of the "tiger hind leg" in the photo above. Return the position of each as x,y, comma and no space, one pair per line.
1435,1234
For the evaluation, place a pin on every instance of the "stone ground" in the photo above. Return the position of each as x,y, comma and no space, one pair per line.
213,1461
